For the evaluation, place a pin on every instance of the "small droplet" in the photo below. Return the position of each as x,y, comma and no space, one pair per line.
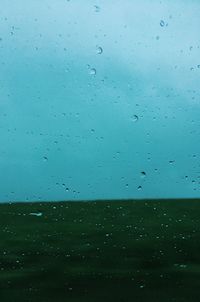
198,66
134,118
92,71
139,188
99,50
162,23
143,174
171,161
45,158
97,8
157,37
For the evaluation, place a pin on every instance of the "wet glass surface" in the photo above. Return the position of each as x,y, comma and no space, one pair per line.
92,94
99,115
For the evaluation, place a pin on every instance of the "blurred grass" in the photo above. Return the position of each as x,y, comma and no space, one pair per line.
105,250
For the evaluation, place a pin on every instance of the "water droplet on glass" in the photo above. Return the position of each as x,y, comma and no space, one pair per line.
97,8
139,188
45,158
162,23
99,50
143,174
134,118
92,71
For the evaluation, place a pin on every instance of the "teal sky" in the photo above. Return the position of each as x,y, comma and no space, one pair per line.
93,93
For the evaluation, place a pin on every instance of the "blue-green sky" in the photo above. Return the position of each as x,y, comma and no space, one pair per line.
92,93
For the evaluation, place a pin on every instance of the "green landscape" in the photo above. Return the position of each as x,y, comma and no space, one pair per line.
123,250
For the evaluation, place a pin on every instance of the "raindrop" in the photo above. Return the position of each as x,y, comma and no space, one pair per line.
139,188
162,23
198,66
99,50
171,161
97,8
143,174
45,158
134,118
92,71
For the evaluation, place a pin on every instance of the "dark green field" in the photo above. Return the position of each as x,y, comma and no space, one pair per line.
100,251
